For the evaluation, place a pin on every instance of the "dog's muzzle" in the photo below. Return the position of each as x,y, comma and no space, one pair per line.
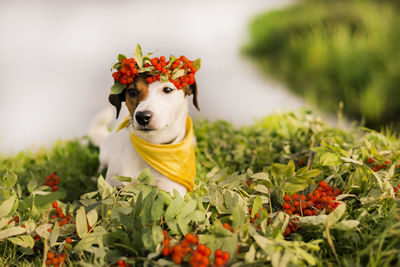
143,117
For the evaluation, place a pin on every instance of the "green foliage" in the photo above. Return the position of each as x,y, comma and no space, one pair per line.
335,51
250,167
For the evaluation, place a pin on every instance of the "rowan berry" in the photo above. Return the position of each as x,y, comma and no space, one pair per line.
227,226
165,251
286,206
50,255
287,198
295,197
149,80
16,219
219,262
225,256
68,240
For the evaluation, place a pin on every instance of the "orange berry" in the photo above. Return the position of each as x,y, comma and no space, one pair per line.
205,261
165,251
219,262
227,226
225,256
54,204
177,259
68,240
218,253
50,255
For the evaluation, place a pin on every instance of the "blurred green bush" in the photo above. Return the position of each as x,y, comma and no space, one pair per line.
332,51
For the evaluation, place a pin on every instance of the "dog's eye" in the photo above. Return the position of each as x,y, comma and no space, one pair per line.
167,90
133,92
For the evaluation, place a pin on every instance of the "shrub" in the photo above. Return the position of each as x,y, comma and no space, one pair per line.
332,51
288,190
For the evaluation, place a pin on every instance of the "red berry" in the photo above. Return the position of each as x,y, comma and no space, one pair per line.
68,240
370,160
165,251
219,262
54,204
149,80
225,256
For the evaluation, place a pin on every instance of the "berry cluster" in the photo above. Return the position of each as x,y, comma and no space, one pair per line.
180,71
52,181
199,254
221,258
64,219
376,166
323,198
56,260
127,72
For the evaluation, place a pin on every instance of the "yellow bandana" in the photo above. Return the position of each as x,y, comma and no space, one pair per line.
175,161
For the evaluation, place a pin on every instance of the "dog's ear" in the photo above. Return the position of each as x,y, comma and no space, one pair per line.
192,89
116,101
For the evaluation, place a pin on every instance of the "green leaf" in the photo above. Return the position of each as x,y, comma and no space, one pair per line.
92,217
177,74
346,225
257,206
157,209
105,188
251,254
147,238
117,88
139,56
6,206
42,230
10,179
164,77
121,57
335,215
12,232
197,63
81,226
174,207
123,179
54,234
329,159
157,234
25,241
238,217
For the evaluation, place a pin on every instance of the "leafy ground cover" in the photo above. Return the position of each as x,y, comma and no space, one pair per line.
332,51
288,190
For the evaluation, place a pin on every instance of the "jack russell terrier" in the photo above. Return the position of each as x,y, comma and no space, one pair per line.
158,133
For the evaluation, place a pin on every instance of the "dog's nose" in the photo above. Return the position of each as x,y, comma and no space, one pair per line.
143,117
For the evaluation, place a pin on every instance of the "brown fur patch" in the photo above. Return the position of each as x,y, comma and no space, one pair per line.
132,102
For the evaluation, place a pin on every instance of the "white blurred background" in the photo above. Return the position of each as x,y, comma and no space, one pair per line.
55,59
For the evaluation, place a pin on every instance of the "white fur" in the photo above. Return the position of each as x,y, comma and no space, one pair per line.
169,126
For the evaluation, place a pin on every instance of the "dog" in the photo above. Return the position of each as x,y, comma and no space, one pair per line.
158,114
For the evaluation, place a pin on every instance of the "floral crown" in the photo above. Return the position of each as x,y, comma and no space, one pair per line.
179,71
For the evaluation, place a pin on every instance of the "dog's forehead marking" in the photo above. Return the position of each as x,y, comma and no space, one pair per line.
132,102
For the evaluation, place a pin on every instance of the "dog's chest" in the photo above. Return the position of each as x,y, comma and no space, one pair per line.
122,159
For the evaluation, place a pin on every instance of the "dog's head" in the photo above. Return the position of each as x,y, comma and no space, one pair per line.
156,107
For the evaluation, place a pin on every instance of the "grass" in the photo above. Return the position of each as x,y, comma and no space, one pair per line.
335,51
237,169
